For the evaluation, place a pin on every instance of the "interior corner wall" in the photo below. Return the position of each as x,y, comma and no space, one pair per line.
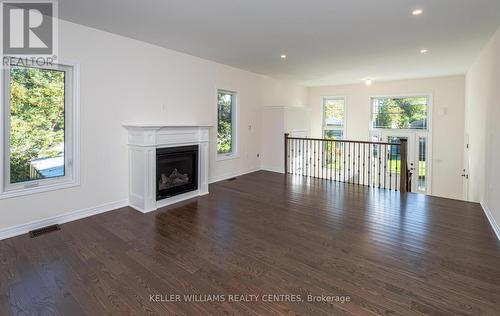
127,81
482,124
276,121
448,110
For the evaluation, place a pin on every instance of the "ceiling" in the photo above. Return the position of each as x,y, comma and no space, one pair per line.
326,41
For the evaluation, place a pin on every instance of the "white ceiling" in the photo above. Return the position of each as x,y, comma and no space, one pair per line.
326,41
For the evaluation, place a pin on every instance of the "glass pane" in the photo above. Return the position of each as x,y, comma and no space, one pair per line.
399,113
333,112
395,154
224,123
422,164
36,124
333,134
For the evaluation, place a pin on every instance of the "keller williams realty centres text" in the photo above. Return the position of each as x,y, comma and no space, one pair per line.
221,298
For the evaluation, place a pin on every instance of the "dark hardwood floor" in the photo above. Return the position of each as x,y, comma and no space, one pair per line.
263,234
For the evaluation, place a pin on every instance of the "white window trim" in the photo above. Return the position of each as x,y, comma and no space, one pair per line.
406,95
419,132
235,122
72,176
323,127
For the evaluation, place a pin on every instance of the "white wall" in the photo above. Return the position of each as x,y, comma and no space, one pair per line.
127,81
276,121
273,129
483,126
448,129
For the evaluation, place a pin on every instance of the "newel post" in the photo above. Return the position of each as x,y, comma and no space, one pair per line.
403,181
286,152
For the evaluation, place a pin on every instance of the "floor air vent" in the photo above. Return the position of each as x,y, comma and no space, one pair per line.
231,179
44,230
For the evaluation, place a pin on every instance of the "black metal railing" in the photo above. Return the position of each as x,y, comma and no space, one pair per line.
374,164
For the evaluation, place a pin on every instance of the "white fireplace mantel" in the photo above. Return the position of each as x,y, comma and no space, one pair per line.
143,140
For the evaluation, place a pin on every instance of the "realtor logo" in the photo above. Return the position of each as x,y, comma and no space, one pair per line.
29,28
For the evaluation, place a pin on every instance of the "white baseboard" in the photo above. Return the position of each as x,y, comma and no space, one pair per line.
231,175
273,169
79,214
60,219
491,219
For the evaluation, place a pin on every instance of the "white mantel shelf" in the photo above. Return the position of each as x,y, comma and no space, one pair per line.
143,140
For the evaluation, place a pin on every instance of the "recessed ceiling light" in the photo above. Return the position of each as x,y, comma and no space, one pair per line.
283,56
423,51
368,82
417,12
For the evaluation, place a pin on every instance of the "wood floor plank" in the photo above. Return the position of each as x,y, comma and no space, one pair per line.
263,234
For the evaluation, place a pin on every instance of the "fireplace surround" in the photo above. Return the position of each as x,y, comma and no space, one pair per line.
167,164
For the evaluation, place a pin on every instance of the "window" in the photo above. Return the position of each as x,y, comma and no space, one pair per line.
226,113
40,119
406,117
400,113
333,118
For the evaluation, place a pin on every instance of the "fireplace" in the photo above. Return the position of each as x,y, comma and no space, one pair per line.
176,171
153,148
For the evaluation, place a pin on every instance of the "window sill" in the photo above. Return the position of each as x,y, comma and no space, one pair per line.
226,157
39,189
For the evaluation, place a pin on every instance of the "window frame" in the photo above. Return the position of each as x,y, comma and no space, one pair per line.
333,128
427,133
71,177
402,96
234,122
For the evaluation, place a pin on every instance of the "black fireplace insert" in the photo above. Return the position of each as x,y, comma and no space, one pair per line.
176,171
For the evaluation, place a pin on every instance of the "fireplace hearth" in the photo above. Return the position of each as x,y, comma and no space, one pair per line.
176,171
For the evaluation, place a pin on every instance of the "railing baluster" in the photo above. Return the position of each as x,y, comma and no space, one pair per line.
320,153
332,153
322,159
354,167
341,150
304,173
390,167
334,161
296,155
379,165
314,159
343,158
319,159
385,166
286,154
374,170
349,163
373,164
369,164
364,161
310,147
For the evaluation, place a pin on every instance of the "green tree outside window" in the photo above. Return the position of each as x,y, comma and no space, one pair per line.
225,122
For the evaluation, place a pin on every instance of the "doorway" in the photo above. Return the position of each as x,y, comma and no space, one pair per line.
418,155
